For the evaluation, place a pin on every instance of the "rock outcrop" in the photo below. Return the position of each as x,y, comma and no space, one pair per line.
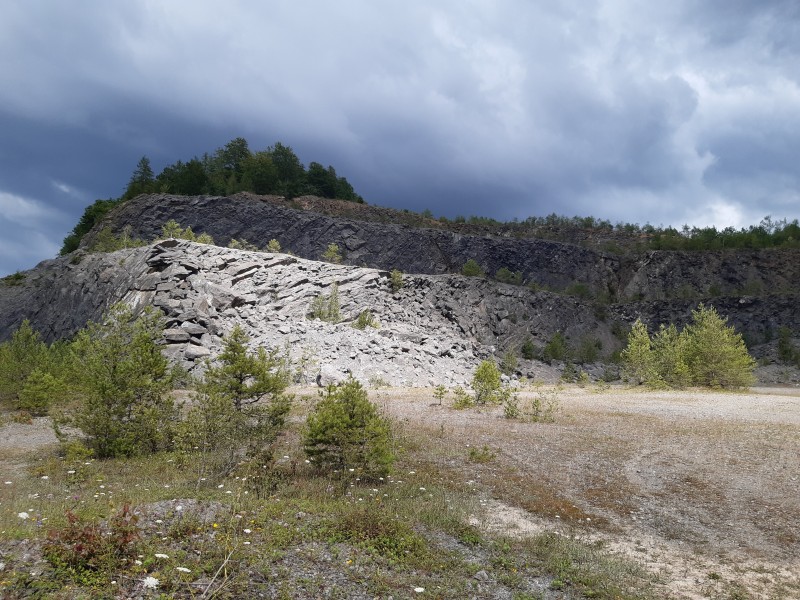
433,330
655,275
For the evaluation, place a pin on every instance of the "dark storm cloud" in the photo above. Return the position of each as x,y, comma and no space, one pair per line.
673,113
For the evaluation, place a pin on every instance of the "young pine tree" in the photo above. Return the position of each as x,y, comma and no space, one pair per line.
124,383
715,354
345,431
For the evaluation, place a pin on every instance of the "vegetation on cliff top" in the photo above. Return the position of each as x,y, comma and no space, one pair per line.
277,170
231,169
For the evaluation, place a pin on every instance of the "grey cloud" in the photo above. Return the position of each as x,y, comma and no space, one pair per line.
667,113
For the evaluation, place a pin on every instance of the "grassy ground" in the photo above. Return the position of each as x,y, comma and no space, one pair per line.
73,527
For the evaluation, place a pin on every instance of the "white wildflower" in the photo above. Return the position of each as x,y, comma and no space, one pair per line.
150,583
23,515
183,569
161,555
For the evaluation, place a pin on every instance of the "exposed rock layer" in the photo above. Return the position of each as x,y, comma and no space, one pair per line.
657,275
433,330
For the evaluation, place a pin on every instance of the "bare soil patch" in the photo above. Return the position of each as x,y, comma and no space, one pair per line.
702,487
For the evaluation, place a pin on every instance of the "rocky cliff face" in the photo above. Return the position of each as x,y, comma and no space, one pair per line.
433,330
654,276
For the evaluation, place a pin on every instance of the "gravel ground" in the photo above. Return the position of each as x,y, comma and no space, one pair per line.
703,487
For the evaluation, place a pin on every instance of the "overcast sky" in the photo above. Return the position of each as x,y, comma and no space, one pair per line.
662,112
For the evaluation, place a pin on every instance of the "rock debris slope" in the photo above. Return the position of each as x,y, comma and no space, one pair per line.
433,330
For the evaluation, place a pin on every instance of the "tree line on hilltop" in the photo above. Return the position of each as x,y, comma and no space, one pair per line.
231,169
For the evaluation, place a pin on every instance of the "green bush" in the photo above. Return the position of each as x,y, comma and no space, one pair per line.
396,280
638,360
365,319
173,229
528,350
240,406
39,391
345,432
461,399
669,357
506,275
325,307
579,290
123,382
332,254
14,279
555,349
588,351
787,351
508,364
471,268
273,246
23,354
242,244
439,392
715,353
486,383
706,353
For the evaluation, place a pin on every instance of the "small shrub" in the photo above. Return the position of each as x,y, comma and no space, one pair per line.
439,392
544,405
240,407
508,364
787,352
486,382
14,279
511,408
589,350
345,431
373,529
273,246
123,382
461,399
528,350
570,374
396,280
87,554
325,307
579,290
332,254
38,391
555,349
23,354
481,455
242,244
366,319
171,229
506,275
471,268
204,238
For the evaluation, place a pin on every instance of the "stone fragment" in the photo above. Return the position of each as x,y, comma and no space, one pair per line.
196,352
176,335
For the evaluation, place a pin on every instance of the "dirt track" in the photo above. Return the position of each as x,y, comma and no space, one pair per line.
702,487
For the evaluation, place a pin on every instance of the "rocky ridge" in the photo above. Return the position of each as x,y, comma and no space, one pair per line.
625,277
433,330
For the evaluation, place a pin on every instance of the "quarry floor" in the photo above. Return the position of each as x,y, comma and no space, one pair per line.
701,487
